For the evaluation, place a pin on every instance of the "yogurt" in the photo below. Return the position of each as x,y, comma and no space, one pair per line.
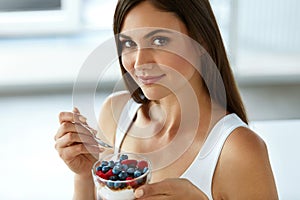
107,194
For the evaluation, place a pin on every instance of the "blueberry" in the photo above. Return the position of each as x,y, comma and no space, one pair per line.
110,184
123,185
124,167
139,181
105,169
123,175
137,173
123,157
145,170
130,171
104,163
113,178
117,184
111,164
116,170
120,185
99,168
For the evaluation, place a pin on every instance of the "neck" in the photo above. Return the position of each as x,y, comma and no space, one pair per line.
185,107
183,111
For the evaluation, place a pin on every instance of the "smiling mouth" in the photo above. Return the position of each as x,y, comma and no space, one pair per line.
148,80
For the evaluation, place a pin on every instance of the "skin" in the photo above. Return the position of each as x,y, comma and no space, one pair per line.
243,170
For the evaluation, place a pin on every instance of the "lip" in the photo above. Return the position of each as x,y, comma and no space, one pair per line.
148,80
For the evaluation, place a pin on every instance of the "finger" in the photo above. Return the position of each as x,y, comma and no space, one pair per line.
72,138
70,153
150,190
67,127
76,110
164,188
71,117
157,197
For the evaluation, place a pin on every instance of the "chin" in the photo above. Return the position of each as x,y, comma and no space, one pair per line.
155,93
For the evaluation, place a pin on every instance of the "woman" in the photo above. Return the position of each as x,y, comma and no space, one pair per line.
188,117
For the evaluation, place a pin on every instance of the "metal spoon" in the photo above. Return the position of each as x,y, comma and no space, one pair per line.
98,140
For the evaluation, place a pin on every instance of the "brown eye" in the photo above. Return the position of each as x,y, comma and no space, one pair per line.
160,41
127,44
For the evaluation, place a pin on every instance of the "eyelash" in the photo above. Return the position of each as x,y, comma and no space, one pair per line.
131,44
160,38
125,42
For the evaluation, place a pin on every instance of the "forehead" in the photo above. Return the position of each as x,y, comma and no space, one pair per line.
145,15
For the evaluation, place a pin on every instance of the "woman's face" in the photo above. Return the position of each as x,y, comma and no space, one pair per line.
157,51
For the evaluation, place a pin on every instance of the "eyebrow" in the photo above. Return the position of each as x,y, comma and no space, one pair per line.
148,34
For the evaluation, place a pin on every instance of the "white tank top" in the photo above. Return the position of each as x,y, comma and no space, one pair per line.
201,171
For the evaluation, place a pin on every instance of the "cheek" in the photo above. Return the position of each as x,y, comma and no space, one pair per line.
182,66
127,63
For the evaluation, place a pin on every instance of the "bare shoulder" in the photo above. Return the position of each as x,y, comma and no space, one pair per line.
244,170
110,112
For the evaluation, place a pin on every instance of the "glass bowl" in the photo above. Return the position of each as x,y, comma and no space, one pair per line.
116,176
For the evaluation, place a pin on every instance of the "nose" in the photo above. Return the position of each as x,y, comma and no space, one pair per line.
143,59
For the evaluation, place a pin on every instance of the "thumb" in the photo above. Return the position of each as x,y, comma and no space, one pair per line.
160,188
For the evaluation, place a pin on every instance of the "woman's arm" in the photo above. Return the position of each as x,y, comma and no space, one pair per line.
244,170
84,188
78,149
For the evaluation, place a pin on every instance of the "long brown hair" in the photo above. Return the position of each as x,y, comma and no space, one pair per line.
200,21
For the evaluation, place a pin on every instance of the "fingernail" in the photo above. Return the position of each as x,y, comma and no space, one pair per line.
75,109
138,193
82,119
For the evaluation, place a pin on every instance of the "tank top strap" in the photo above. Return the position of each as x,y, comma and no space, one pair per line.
201,171
126,118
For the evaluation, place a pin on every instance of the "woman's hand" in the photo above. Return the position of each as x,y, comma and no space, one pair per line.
75,143
172,189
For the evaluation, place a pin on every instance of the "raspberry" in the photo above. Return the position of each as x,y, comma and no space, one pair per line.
131,183
129,162
142,164
109,173
101,174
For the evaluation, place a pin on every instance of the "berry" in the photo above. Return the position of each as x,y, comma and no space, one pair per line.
99,168
104,163
142,164
145,170
140,181
111,164
130,171
101,174
123,175
129,178
123,157
109,173
110,184
105,168
113,178
137,173
121,170
116,170
130,183
117,184
124,167
131,163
